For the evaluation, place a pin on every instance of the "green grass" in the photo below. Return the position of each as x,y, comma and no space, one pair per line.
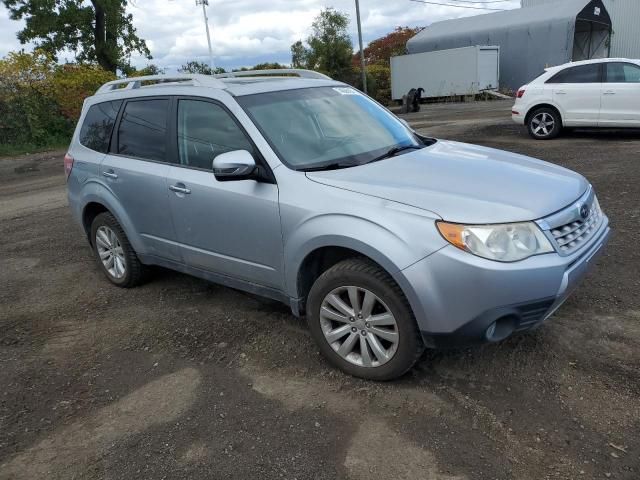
21,149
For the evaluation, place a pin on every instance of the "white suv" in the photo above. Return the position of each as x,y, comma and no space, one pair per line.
591,93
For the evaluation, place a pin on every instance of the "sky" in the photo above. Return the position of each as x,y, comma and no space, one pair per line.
247,32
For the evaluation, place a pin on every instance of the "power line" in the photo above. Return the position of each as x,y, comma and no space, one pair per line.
458,6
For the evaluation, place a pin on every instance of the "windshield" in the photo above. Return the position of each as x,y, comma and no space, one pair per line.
326,126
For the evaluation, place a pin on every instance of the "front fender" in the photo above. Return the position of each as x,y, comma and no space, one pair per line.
392,248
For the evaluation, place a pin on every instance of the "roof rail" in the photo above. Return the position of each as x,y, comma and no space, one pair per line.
278,71
136,82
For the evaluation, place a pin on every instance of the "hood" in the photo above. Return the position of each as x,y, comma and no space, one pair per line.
464,183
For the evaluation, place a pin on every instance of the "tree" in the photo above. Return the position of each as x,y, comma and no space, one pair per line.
269,66
151,69
199,67
262,66
298,55
380,50
97,31
329,47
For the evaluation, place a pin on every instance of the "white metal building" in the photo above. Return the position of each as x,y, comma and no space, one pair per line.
571,30
625,18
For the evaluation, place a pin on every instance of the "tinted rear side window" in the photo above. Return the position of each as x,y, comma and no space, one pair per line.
143,129
98,125
581,74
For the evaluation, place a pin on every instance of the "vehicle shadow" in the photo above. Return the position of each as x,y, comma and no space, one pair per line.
606,134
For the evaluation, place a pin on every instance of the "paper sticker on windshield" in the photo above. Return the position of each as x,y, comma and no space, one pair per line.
346,91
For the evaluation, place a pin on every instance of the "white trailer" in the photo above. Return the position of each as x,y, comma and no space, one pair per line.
443,73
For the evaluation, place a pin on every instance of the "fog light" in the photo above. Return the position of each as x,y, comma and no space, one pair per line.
501,328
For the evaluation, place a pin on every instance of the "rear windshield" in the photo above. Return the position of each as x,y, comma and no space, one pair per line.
98,125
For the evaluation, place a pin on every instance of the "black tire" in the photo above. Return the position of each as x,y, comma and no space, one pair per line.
134,270
365,274
546,113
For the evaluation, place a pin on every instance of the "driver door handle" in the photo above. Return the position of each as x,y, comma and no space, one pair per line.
180,188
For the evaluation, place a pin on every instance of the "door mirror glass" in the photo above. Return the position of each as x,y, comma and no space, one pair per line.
235,165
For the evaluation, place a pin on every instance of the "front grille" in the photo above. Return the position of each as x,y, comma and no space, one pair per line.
572,236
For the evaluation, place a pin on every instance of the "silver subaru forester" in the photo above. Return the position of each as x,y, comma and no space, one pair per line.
304,190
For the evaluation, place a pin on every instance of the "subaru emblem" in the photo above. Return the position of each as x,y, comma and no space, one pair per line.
584,211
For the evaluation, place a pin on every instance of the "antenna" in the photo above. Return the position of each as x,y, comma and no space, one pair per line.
205,4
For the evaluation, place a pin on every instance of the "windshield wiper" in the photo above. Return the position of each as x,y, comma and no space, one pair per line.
392,152
329,166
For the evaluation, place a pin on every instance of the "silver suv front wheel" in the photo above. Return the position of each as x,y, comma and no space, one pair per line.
362,322
359,326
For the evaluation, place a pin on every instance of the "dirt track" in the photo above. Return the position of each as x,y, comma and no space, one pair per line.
184,379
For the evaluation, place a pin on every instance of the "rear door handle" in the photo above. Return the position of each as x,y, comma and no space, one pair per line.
610,92
560,92
180,188
110,174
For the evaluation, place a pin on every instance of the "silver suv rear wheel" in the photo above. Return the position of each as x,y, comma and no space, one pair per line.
110,252
115,255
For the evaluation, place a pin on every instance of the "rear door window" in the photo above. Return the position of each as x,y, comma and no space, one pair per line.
580,74
98,125
142,132
618,72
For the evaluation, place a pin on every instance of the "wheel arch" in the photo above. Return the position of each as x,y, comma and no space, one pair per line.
543,105
322,257
96,199
90,211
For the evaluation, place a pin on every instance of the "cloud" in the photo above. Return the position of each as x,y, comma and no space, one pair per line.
245,32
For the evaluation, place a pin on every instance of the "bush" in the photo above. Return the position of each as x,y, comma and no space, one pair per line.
378,81
40,101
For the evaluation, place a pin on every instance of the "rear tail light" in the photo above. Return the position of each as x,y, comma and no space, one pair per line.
521,93
68,164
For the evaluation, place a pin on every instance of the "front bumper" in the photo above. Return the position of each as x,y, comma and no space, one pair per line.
456,297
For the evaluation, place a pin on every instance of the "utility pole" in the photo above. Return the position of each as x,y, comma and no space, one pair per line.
205,4
362,65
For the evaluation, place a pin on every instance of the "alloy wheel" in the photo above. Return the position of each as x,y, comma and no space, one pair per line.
543,124
359,326
110,252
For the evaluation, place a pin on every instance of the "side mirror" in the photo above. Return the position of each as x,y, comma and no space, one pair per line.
236,165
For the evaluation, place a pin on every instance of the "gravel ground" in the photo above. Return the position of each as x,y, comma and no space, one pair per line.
184,379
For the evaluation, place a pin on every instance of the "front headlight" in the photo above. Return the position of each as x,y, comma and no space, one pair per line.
508,242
